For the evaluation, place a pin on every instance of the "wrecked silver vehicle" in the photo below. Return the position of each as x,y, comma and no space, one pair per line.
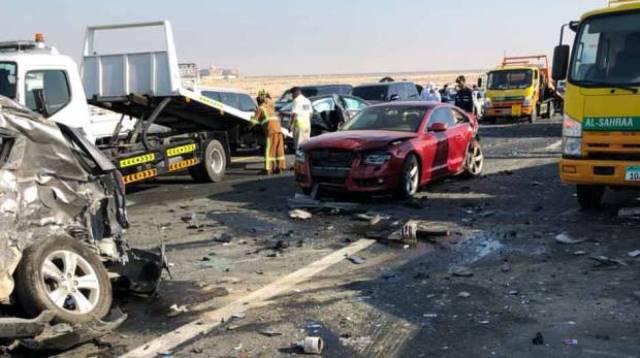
62,219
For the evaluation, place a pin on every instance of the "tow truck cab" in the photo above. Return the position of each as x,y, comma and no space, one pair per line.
520,87
601,129
47,82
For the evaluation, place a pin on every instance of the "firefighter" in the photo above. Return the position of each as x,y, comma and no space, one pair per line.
266,116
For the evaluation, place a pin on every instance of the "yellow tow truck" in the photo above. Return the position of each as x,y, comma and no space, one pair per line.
601,128
520,87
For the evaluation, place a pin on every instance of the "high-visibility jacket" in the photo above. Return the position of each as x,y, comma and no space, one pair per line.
268,119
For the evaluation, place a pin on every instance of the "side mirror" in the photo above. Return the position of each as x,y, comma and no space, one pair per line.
40,101
394,97
438,127
560,62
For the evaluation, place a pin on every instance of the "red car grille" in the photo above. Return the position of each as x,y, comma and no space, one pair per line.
330,166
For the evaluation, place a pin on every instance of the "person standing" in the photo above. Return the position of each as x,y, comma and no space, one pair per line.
266,116
464,97
300,117
431,94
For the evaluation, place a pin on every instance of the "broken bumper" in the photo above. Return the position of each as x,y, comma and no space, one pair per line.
358,179
596,172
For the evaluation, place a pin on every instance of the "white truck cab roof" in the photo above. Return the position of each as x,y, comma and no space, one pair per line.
31,68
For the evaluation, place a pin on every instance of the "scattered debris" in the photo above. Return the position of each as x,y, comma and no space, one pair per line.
567,240
538,340
356,259
196,350
313,345
238,315
415,203
300,214
461,271
570,342
372,218
514,292
176,310
430,315
635,253
629,213
306,202
270,333
580,253
506,267
603,262
464,294
223,238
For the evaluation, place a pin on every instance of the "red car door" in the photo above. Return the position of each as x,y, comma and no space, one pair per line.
435,148
459,136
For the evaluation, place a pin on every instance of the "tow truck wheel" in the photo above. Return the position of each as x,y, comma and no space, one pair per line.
63,276
590,196
213,164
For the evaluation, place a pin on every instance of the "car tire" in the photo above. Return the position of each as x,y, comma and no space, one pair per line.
410,178
46,280
474,161
590,196
213,164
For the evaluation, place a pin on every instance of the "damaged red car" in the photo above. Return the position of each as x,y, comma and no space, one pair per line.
396,147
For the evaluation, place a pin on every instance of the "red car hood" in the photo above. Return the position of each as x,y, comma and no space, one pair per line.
357,140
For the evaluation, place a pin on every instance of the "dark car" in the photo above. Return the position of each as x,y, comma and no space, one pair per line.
329,112
387,92
314,91
392,147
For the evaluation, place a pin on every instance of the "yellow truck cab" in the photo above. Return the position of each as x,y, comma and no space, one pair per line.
520,87
601,129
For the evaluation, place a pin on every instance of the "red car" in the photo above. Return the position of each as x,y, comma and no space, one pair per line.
393,147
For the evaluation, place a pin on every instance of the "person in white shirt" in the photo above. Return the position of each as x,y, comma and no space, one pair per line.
431,94
300,117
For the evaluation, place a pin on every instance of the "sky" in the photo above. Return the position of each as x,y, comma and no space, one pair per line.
289,37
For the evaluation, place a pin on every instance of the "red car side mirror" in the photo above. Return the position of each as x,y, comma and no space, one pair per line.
438,127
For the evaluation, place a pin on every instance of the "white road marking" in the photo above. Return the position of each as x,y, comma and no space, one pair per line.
553,147
209,320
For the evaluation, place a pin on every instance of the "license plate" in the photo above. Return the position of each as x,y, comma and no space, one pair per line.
632,174
516,111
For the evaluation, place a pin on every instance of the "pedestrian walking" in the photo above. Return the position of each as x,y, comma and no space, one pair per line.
300,117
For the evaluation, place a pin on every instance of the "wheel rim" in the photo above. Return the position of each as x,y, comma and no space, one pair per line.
411,177
70,282
476,160
217,161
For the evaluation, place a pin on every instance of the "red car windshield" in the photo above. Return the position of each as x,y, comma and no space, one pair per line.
395,118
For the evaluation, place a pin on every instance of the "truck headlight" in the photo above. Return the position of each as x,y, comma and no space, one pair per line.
571,137
300,157
528,101
571,127
377,158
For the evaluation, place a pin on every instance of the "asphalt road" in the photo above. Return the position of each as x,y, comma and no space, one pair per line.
399,302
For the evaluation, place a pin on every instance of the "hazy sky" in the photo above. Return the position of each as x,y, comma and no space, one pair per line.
315,36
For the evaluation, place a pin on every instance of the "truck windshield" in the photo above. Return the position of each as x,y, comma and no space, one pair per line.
607,51
509,79
8,79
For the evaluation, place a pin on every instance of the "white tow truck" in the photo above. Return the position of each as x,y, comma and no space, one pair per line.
174,128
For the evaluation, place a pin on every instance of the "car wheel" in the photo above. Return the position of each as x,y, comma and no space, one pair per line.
410,179
474,160
590,196
63,276
213,164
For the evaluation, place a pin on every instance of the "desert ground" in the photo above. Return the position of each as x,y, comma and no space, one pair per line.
277,85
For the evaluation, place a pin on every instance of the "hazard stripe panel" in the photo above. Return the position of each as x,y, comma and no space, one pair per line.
139,176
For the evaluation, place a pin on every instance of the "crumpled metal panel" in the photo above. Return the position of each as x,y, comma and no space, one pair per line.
46,189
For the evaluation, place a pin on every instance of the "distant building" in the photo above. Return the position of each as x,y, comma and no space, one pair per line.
189,75
218,73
